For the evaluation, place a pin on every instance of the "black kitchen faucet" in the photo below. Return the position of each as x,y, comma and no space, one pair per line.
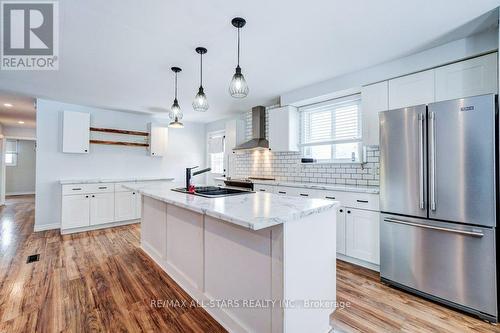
189,175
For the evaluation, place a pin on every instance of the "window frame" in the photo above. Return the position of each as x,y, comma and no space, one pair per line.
14,153
214,134
303,110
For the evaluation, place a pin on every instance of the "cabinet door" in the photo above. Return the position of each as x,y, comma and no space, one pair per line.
76,132
476,76
374,98
125,206
362,235
138,205
102,208
410,90
283,129
341,213
75,211
158,137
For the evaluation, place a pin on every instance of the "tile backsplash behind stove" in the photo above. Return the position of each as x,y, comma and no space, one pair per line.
286,166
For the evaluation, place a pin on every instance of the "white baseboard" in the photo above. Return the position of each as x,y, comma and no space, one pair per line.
44,227
358,262
98,226
19,193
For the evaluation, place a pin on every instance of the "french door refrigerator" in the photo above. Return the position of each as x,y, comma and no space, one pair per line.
438,195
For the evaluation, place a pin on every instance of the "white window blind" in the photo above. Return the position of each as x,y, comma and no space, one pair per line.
331,130
11,152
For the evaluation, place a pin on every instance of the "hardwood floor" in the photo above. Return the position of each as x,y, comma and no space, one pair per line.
101,281
89,282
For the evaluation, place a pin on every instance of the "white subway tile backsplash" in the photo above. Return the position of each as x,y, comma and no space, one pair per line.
286,166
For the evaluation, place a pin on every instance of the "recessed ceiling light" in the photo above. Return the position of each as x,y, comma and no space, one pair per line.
8,105
20,122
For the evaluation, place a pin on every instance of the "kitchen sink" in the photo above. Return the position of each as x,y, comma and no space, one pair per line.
213,191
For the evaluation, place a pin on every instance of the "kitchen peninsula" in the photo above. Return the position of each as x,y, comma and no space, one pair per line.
257,262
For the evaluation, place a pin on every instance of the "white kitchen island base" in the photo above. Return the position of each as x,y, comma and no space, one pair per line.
276,279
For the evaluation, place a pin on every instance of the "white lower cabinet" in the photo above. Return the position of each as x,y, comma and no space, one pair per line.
358,238
341,230
102,208
125,206
362,235
98,205
76,211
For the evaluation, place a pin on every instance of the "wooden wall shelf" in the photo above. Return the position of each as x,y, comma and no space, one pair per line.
118,131
119,143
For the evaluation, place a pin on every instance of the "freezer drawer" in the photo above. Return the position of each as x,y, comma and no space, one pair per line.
451,262
462,160
403,161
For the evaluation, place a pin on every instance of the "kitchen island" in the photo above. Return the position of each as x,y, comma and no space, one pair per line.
257,262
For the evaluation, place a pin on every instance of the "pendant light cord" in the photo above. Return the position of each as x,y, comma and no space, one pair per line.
175,85
201,69
238,46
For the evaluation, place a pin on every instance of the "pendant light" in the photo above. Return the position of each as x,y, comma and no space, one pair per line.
175,111
200,102
238,87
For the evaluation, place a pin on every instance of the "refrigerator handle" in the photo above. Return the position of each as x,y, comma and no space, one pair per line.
421,158
455,231
432,118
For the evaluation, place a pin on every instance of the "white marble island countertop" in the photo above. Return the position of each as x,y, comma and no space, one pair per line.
253,210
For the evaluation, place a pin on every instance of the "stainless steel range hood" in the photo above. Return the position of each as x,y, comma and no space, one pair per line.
258,140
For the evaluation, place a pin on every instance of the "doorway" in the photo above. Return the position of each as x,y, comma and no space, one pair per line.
216,142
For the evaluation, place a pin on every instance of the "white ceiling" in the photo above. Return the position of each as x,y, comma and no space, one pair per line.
23,109
117,53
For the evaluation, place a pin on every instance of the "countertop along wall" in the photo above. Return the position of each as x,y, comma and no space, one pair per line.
186,147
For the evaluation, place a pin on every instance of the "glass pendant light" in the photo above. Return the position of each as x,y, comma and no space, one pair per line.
175,113
238,87
200,102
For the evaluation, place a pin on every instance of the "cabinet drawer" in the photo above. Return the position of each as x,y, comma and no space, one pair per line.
302,192
366,201
119,187
87,188
265,188
102,188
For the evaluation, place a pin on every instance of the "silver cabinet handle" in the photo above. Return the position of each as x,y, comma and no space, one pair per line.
460,232
432,117
421,158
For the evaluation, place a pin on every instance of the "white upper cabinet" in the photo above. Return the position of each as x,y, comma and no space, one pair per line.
409,90
476,76
76,132
158,139
374,98
284,129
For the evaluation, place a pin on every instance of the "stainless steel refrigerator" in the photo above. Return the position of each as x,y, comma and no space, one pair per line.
438,197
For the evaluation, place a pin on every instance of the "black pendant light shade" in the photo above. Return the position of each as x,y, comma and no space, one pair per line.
175,113
200,102
238,87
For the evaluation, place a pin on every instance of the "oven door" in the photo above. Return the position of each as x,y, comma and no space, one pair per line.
449,262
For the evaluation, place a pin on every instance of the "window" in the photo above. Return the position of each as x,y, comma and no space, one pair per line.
11,153
331,130
216,142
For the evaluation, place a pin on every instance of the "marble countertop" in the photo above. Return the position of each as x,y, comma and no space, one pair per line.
112,180
318,186
253,210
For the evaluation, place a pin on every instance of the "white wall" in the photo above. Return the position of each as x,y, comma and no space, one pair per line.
20,179
350,83
186,147
19,132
